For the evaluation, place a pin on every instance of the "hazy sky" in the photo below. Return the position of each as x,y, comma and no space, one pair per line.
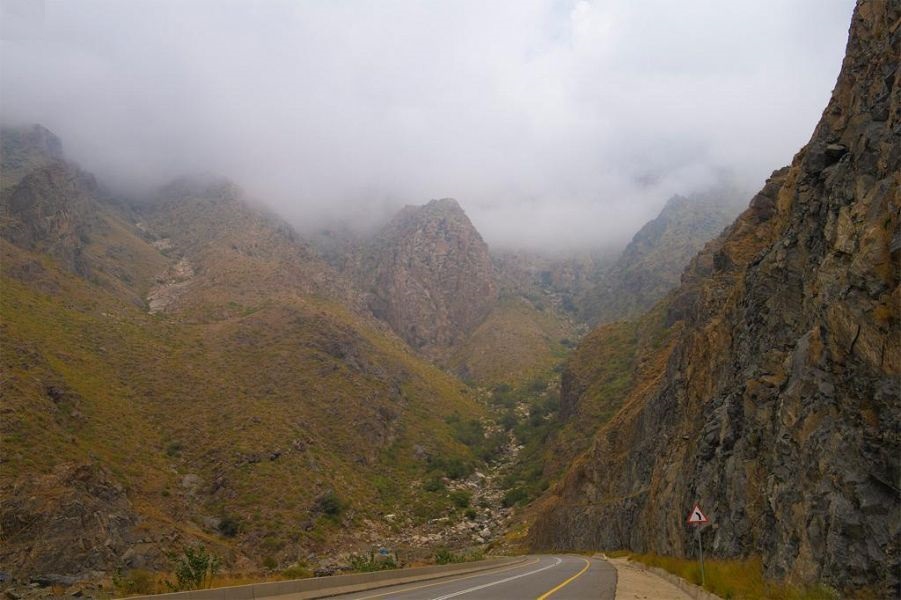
564,123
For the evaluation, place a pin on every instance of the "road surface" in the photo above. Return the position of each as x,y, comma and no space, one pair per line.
561,577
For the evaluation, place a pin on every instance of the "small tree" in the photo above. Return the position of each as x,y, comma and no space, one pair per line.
195,569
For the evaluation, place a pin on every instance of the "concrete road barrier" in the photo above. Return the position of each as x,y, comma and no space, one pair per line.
323,587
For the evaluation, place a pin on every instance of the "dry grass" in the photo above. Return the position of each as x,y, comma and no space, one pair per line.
517,342
734,579
282,401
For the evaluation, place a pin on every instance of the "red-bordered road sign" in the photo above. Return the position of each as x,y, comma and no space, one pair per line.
696,517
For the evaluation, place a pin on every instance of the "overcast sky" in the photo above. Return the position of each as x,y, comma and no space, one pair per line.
554,122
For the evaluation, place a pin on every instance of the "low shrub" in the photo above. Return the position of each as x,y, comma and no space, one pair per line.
433,484
461,498
229,527
330,504
514,497
297,571
135,581
368,564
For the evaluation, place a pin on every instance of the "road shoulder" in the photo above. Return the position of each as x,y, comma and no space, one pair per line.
635,582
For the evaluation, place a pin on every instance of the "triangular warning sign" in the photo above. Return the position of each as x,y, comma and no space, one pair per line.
696,517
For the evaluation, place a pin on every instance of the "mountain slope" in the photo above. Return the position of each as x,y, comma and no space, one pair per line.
652,262
777,408
203,378
517,341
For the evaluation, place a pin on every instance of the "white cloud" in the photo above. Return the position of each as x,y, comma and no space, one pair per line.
553,122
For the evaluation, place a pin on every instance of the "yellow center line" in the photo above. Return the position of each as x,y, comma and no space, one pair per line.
548,593
444,581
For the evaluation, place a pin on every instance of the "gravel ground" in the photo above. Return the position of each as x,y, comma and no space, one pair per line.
633,583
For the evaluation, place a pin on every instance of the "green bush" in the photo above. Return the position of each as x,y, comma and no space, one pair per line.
453,468
297,572
368,564
174,449
501,389
433,484
136,581
537,385
514,496
469,432
471,514
460,498
508,420
269,563
443,556
194,569
330,504
229,526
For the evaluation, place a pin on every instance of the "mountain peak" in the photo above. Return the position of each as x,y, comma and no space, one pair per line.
23,149
200,186
430,275
444,205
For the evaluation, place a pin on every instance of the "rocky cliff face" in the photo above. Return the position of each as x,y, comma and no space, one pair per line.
46,203
429,275
778,406
50,210
651,264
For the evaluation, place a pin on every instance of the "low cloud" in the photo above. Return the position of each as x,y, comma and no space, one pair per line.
555,123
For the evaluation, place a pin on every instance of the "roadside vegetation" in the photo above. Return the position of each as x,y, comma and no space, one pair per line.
736,579
443,556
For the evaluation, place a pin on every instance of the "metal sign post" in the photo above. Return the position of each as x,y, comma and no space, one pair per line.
701,554
697,518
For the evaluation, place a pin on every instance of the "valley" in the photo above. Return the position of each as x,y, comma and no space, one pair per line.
191,350
188,375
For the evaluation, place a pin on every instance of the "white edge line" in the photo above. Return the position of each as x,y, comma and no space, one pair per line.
493,583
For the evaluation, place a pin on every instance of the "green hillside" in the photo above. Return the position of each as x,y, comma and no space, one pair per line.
258,412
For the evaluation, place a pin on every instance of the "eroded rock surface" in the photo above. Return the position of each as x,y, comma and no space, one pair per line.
778,409
429,275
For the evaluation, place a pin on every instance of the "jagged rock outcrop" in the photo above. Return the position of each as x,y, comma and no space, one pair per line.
429,275
46,203
74,520
651,264
778,407
24,149
50,210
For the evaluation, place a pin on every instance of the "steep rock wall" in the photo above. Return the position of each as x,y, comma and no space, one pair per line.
778,409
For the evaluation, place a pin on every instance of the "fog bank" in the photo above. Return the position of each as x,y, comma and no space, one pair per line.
559,124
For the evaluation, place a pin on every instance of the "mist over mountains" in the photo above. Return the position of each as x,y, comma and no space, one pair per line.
314,289
558,124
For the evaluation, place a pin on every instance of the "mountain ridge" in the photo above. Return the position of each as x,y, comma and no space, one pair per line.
169,422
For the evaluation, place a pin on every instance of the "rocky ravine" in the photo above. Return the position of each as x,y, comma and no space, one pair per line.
778,408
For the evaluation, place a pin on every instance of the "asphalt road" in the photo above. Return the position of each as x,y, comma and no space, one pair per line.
560,577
